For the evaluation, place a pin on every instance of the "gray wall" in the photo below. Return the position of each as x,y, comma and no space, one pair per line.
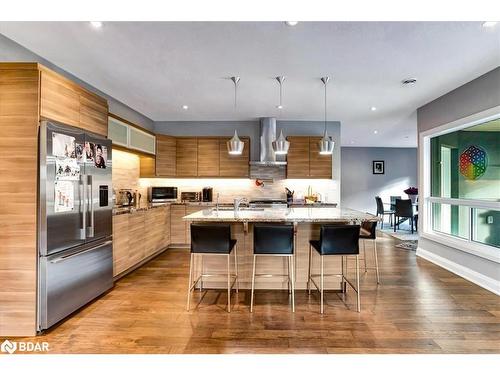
478,95
360,185
12,51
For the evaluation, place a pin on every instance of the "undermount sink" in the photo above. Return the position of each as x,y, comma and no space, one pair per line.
241,209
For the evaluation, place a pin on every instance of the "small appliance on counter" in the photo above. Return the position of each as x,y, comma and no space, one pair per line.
207,194
162,194
128,198
190,196
289,195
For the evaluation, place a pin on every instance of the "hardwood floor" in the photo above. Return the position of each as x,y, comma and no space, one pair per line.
418,308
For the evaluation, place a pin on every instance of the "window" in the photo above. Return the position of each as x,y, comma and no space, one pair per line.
462,182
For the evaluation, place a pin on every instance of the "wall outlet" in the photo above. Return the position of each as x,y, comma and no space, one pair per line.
489,219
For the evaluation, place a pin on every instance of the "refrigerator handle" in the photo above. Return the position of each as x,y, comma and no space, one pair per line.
83,195
60,259
90,202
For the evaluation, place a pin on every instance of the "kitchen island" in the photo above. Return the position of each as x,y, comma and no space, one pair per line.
306,221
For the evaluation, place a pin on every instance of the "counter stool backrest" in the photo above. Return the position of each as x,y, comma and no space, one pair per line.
210,238
273,238
339,239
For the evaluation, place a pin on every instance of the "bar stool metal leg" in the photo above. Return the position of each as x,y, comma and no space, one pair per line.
228,283
253,283
202,272
357,283
376,259
190,281
309,272
236,268
322,283
364,255
288,280
292,261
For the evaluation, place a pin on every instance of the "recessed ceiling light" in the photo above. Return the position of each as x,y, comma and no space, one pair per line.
291,23
279,106
375,132
96,24
352,142
489,23
185,107
373,108
409,81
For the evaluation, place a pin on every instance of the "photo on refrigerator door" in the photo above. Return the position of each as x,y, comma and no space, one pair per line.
64,199
96,153
63,145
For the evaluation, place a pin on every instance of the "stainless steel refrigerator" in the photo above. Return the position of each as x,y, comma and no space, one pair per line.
75,220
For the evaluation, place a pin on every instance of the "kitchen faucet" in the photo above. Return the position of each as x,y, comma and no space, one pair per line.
238,201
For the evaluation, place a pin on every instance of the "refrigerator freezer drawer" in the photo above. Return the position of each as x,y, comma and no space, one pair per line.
70,281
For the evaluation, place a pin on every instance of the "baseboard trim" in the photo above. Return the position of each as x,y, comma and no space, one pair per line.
483,281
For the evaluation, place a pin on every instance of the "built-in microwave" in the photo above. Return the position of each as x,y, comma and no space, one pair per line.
158,194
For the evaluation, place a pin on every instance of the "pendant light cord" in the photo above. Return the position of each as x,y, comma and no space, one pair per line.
325,104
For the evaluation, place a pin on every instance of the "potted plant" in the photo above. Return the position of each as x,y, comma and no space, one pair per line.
412,192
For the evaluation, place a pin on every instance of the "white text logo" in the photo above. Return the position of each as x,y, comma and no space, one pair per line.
22,346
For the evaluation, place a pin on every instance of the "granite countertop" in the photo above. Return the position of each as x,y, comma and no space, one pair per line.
298,215
149,206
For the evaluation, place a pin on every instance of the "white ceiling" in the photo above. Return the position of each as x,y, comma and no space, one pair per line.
156,67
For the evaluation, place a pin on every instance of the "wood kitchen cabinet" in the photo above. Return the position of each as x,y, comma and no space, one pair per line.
166,158
93,113
120,244
136,229
298,157
177,225
304,160
208,157
65,101
59,100
30,92
320,166
139,235
186,157
234,165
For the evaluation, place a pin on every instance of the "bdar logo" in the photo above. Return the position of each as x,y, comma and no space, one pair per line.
8,347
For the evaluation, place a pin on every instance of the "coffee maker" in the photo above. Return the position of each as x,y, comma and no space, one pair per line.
207,194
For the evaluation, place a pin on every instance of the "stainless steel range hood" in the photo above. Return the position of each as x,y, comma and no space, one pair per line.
267,135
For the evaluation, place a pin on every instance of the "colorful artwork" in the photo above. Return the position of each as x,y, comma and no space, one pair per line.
473,162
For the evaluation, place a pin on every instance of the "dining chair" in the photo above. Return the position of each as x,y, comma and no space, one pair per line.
404,210
381,211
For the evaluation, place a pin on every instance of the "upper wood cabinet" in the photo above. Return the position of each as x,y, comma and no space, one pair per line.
60,101
298,157
186,157
208,157
320,166
234,165
93,113
165,156
304,160
64,101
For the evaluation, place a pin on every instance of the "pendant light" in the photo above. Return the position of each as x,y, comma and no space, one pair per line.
235,145
326,144
281,145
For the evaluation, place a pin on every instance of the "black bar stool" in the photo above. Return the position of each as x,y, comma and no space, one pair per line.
213,239
368,232
274,240
340,240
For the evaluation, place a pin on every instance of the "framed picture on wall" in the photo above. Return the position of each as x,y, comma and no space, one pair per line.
378,166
